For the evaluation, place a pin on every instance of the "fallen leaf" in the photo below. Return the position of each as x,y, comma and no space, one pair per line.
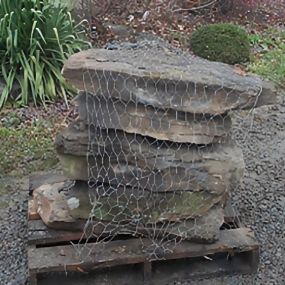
239,70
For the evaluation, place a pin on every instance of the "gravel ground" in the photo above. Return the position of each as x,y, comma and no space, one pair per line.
13,231
260,201
261,198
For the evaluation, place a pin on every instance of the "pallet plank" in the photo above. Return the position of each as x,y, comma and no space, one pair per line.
163,273
32,278
189,269
147,273
40,234
231,214
66,258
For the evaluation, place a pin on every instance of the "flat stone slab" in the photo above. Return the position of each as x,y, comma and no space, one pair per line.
160,124
115,157
167,80
115,210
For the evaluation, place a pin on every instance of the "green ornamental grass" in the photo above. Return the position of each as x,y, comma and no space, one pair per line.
36,38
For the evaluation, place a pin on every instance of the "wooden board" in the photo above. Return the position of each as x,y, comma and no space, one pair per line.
40,234
65,258
162,273
232,216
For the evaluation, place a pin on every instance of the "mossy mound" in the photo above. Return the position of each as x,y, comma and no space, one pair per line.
226,43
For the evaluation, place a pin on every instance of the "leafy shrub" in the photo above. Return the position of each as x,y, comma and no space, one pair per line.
227,43
36,38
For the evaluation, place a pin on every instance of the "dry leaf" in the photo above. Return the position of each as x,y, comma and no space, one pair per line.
239,70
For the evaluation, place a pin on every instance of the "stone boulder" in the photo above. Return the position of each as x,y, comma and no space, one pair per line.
119,158
167,80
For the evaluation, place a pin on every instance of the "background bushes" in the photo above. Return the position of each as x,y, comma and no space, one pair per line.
226,43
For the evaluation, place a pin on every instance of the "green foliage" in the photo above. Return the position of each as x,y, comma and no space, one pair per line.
35,39
226,43
32,149
268,59
70,4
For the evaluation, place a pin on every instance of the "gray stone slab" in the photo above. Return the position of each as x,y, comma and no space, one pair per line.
160,124
166,80
116,157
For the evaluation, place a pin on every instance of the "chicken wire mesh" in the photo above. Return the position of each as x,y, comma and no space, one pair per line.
159,161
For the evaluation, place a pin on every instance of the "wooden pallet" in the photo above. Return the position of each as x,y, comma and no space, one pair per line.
125,262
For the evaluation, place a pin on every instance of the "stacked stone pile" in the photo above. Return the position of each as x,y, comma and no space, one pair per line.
151,151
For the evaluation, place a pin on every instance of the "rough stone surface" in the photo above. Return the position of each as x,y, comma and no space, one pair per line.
51,203
119,158
164,79
148,121
193,215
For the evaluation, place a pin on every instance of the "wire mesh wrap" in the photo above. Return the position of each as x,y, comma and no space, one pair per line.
152,145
